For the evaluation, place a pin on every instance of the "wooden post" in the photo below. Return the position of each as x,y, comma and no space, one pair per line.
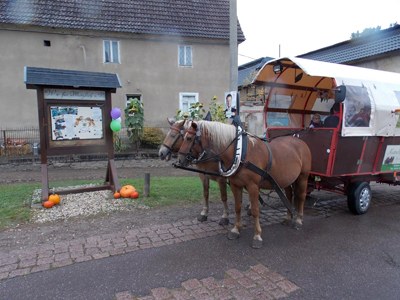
146,184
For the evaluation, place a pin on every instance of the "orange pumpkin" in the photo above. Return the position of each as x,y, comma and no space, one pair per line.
135,195
55,199
127,190
117,195
48,204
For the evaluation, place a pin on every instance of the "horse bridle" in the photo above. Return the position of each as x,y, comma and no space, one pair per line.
189,155
171,148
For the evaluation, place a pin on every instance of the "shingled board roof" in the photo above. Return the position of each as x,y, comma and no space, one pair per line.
68,78
189,18
246,72
375,44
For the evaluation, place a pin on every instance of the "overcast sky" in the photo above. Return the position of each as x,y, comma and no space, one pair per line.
303,26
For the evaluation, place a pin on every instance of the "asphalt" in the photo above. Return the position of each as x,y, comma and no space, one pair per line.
336,255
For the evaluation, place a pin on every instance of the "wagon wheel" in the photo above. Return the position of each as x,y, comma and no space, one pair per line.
359,197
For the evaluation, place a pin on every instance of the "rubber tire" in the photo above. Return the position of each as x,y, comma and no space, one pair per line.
356,197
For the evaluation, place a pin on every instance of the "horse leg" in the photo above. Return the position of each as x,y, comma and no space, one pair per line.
237,194
224,198
289,196
300,194
254,192
206,187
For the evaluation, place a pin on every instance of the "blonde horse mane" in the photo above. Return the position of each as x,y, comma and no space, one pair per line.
220,135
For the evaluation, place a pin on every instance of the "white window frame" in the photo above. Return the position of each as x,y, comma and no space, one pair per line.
111,52
133,96
185,55
181,95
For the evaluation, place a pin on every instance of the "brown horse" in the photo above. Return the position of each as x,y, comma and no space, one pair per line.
172,143
291,165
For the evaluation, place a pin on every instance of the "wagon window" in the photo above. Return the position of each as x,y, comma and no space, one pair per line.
357,107
277,106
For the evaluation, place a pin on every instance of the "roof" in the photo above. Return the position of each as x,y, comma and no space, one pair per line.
377,43
54,77
309,83
189,18
247,71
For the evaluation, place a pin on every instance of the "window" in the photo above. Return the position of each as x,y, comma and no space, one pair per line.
186,100
111,51
185,56
133,96
47,43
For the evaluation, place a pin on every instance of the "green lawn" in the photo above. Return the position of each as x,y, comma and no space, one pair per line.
164,191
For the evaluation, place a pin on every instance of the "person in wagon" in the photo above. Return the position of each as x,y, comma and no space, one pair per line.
333,119
316,121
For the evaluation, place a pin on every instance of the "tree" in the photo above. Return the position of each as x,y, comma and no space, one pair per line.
365,32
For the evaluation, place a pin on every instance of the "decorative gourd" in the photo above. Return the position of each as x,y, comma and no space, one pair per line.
48,204
135,195
117,195
55,199
127,190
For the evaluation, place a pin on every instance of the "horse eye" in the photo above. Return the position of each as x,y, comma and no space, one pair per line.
173,135
189,139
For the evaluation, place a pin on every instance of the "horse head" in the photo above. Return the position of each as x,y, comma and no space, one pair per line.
173,140
191,145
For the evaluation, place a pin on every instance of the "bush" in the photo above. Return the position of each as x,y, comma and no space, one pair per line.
153,136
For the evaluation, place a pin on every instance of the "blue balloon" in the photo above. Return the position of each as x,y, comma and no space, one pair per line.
115,113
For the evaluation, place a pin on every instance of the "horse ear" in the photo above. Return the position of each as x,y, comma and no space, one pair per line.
171,121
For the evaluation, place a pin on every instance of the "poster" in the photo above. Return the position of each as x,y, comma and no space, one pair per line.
230,104
76,122
391,160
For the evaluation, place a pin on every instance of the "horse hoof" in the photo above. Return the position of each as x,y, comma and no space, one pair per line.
297,226
232,235
224,221
287,222
257,244
202,218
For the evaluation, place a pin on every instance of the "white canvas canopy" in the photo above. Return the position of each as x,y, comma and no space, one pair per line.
372,96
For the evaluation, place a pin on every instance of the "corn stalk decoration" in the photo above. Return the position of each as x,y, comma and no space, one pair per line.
134,121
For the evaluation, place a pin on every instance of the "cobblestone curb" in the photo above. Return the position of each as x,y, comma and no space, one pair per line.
60,254
258,282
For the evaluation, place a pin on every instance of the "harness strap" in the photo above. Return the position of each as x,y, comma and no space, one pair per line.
275,185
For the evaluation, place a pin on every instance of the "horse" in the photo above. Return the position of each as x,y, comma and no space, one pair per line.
290,165
172,143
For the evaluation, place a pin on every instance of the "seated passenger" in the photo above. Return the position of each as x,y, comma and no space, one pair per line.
333,119
316,121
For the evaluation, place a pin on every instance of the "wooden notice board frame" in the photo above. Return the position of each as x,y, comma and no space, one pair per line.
74,91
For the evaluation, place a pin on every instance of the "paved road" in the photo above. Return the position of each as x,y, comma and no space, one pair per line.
338,256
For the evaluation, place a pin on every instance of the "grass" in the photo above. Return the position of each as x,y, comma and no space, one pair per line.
164,191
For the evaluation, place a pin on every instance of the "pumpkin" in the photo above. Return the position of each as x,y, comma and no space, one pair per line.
117,195
127,190
48,204
135,195
54,198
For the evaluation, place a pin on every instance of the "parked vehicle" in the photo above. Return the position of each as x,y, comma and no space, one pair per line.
363,147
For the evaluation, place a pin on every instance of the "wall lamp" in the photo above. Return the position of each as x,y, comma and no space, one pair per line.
277,68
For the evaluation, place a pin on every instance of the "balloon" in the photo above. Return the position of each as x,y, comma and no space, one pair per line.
115,113
115,126
119,119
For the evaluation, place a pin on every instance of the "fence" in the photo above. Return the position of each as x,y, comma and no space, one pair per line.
26,141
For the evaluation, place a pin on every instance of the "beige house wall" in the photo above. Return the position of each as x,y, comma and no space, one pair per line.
390,63
149,67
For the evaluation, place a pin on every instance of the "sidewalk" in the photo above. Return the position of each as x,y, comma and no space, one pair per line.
256,282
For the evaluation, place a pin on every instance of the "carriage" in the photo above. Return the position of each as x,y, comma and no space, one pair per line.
363,147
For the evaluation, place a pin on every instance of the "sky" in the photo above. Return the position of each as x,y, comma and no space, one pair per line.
298,27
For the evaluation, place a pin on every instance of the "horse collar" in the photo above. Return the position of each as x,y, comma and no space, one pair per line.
240,154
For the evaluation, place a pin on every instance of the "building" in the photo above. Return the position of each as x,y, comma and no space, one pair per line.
168,53
379,50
